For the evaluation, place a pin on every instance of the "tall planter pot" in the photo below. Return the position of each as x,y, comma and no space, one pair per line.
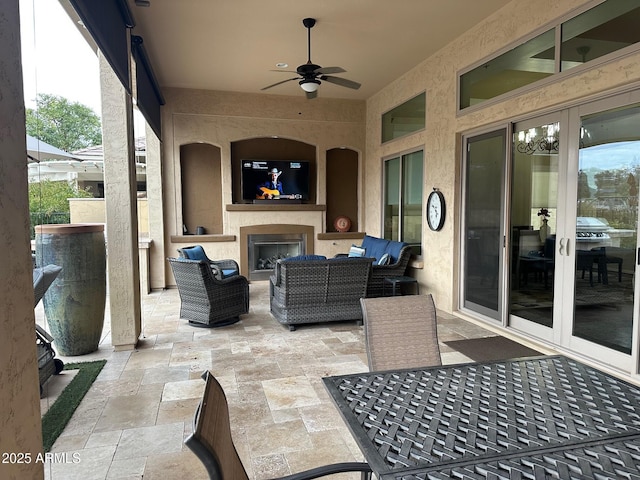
74,304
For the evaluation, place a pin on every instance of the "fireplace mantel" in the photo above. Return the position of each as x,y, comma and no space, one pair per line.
276,207
273,229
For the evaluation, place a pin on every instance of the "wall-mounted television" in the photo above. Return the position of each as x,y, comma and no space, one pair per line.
292,180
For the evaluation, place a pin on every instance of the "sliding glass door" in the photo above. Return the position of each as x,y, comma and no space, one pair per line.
483,207
606,230
535,218
563,220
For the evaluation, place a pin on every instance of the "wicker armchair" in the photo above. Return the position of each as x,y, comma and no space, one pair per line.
221,268
401,332
207,301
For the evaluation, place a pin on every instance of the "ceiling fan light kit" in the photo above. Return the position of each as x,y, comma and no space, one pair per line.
309,85
310,75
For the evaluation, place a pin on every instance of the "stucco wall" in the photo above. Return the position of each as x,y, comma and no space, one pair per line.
441,139
20,424
92,210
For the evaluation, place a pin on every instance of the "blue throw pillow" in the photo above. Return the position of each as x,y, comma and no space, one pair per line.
356,251
385,259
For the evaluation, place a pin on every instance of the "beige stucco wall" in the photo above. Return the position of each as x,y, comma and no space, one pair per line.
92,210
441,139
20,424
220,118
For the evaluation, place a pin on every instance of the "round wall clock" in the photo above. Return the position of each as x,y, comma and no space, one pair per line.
342,224
436,210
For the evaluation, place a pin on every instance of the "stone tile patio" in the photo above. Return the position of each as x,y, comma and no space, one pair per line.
132,422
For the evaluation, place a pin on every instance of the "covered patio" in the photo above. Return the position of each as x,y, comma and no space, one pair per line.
132,422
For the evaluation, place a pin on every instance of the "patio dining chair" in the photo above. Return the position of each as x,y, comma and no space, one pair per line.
212,443
221,268
400,332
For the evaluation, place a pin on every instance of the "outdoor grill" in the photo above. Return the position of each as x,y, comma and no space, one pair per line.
591,232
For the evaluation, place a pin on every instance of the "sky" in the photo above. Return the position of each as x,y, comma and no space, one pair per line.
55,57
57,60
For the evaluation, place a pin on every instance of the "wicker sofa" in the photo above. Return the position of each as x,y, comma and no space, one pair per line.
318,290
375,248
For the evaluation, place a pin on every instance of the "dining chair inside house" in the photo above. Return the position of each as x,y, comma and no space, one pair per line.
212,441
223,268
401,332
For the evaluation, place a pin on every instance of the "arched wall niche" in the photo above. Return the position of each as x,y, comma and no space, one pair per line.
269,148
201,182
342,187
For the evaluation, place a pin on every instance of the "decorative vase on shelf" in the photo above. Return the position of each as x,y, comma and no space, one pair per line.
544,230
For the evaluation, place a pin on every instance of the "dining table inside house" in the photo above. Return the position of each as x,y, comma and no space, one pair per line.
529,418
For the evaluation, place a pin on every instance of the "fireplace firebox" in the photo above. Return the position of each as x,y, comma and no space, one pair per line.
266,249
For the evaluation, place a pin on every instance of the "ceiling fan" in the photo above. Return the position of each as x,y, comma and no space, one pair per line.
310,75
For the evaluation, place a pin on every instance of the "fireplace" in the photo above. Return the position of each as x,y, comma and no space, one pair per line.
261,246
266,249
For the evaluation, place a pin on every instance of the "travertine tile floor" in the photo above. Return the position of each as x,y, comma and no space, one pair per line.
132,422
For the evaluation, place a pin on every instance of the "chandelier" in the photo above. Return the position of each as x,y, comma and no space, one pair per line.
539,140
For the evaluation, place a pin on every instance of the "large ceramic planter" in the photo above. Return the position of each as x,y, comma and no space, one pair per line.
74,304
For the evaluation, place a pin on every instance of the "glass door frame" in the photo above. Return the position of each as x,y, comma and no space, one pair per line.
465,305
560,335
548,334
566,338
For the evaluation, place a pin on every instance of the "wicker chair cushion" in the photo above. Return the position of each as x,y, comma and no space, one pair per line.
375,247
301,258
195,253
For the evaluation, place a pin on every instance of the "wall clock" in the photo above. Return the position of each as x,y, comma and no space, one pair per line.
436,210
342,224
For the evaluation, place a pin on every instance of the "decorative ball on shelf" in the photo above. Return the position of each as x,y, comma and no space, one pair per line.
342,223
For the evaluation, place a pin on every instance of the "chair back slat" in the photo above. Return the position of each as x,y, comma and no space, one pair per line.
401,332
211,440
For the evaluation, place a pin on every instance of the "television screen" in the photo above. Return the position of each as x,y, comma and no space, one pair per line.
275,179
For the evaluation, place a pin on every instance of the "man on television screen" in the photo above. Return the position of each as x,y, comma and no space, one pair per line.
271,188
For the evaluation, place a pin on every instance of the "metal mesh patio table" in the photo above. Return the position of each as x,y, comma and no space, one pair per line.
542,417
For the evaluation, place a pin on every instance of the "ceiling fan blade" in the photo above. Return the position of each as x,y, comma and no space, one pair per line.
324,70
278,83
284,71
343,82
311,95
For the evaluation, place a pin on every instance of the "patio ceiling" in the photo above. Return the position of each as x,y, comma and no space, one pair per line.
233,45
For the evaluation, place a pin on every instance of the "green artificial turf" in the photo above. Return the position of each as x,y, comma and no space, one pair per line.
56,418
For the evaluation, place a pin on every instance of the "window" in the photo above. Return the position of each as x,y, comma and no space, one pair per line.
403,199
404,119
605,28
524,64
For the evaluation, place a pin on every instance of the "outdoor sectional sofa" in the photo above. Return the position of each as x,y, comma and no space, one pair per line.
312,289
397,260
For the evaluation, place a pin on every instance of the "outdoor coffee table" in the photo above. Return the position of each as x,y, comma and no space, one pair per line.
539,417
397,283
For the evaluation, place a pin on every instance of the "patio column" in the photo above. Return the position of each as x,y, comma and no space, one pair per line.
20,425
121,210
157,260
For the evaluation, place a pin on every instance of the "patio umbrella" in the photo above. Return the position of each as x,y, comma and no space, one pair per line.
37,150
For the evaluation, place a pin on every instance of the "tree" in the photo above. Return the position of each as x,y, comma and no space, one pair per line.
67,125
49,196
